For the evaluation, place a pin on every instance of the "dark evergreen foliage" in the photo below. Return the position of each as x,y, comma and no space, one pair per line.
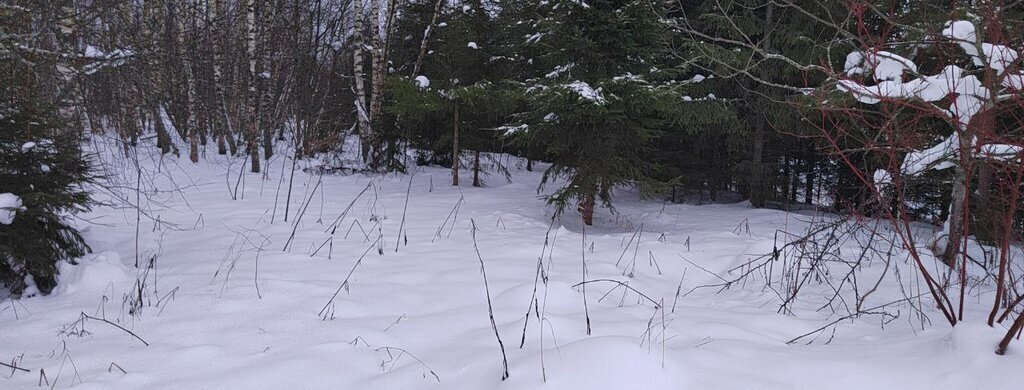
42,163
603,94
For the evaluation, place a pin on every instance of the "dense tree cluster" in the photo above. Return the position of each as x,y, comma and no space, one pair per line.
686,101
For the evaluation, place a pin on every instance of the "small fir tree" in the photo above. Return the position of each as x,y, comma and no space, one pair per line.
451,105
604,88
41,163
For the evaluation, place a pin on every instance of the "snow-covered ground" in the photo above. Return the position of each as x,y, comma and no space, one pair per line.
225,306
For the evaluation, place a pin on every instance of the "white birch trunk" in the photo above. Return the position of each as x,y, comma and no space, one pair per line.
362,115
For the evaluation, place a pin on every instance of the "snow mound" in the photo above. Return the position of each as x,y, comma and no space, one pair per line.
967,336
93,273
611,362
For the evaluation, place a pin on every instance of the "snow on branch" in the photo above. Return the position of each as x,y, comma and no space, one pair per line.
9,206
897,78
996,57
587,92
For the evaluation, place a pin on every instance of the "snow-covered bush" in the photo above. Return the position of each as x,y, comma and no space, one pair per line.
957,95
970,85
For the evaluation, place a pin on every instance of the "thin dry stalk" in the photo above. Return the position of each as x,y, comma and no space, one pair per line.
490,308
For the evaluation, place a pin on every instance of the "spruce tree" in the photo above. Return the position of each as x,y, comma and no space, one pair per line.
732,36
451,105
603,89
42,164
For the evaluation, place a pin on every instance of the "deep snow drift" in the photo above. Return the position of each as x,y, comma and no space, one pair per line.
222,304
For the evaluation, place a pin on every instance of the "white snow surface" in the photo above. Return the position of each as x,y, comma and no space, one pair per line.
422,82
404,314
9,206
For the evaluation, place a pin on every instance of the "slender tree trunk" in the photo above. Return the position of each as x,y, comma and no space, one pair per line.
362,114
983,125
809,183
268,141
132,126
204,126
268,120
476,169
455,150
988,215
426,38
230,137
378,70
587,208
193,114
193,146
756,179
794,184
756,176
788,178
958,206
253,98
221,119
222,148
377,73
163,139
714,182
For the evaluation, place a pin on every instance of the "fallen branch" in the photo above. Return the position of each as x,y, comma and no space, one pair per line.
656,304
88,317
13,367
846,317
113,365
388,350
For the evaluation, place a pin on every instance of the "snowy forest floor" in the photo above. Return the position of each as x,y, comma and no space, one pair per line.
225,307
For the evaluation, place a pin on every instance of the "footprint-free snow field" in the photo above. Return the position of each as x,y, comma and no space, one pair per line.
374,282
